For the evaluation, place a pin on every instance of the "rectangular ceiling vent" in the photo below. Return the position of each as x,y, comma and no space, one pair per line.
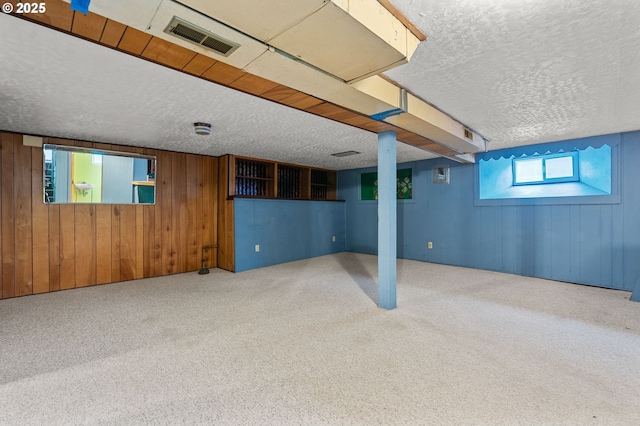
468,134
345,153
196,35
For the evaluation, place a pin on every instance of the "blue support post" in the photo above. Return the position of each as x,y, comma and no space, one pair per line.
387,228
635,296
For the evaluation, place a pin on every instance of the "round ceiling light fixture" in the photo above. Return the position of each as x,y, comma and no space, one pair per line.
202,128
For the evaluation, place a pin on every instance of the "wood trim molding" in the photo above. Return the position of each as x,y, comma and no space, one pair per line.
400,16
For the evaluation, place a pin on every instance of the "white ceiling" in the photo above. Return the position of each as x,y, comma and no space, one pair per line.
517,71
522,72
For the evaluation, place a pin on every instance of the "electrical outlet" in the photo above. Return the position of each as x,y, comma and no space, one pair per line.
429,245
333,238
257,248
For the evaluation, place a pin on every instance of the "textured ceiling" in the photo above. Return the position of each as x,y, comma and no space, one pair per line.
58,85
527,71
517,71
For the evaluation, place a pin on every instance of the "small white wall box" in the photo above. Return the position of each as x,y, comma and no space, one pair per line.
440,174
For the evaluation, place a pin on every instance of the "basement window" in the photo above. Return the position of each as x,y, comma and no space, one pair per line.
552,168
562,173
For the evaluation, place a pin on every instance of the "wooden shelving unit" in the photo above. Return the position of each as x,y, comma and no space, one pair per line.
251,177
322,185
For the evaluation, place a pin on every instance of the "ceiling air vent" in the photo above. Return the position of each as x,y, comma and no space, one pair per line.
345,153
468,134
196,35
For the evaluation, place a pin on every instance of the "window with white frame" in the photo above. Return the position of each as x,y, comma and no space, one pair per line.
552,168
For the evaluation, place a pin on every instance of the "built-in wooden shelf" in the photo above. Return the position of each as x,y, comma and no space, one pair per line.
251,177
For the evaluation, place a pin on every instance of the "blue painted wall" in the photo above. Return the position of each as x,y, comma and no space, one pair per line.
286,230
596,244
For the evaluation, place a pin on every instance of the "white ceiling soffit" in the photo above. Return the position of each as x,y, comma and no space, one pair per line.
50,81
264,20
249,49
421,118
348,39
136,14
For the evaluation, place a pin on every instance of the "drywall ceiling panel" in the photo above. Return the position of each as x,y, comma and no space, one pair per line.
262,19
249,48
296,75
380,21
136,14
416,125
380,88
334,41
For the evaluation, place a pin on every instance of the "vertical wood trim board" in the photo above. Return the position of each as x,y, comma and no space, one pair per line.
50,247
226,251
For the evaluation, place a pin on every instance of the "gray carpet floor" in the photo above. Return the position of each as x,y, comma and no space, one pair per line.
304,343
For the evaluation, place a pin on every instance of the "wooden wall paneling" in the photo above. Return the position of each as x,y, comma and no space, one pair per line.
115,243
193,230
112,33
127,242
103,244
115,236
274,192
229,188
332,192
199,210
134,41
229,235
88,26
165,176
213,209
82,144
67,246
301,101
58,15
40,215
157,219
208,211
199,64
168,54
225,217
223,188
279,93
1,261
148,266
54,247
179,211
306,103
140,247
85,244
61,246
253,84
149,234
8,218
223,73
103,235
